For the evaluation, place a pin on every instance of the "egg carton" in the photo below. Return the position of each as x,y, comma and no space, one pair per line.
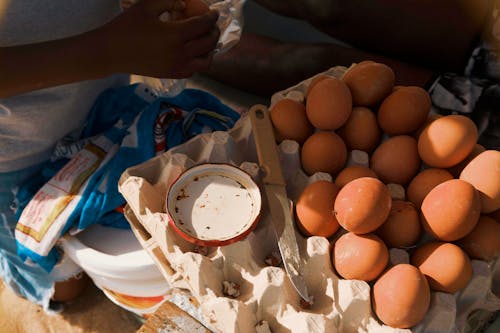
242,287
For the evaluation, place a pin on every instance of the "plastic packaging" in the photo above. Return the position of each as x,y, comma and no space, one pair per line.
230,24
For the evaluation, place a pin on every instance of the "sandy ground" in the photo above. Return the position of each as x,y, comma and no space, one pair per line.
91,312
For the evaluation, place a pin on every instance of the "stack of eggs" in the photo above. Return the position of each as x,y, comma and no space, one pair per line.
447,213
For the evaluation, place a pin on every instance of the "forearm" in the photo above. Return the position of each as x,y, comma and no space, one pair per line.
438,34
134,42
263,66
36,66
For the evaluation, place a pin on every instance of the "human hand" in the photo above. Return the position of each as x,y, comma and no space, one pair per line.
138,42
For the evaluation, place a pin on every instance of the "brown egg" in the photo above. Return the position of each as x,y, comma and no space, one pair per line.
363,205
447,141
361,131
404,110
424,182
451,210
360,257
314,209
430,118
402,227
483,242
369,82
446,267
194,8
353,172
314,81
290,121
328,104
396,160
456,170
401,296
483,172
323,152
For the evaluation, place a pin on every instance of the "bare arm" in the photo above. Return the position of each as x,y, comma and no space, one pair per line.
135,42
31,67
437,34
262,65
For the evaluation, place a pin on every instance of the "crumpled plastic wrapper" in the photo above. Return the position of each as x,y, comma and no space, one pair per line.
230,24
266,300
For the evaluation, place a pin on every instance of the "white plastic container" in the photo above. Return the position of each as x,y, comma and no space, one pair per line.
119,266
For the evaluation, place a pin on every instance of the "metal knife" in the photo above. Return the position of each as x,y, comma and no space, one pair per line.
280,206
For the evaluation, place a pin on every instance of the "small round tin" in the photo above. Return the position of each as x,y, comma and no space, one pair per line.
214,204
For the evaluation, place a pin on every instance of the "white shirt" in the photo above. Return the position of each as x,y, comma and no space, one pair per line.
31,123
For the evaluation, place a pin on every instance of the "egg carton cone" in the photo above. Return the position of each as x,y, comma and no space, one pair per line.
243,287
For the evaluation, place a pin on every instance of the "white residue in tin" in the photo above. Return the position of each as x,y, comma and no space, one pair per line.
213,206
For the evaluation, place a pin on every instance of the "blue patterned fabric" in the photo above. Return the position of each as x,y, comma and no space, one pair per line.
138,125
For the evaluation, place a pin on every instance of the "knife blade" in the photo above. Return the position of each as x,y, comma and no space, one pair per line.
280,207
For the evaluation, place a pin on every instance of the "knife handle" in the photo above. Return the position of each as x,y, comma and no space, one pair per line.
265,142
